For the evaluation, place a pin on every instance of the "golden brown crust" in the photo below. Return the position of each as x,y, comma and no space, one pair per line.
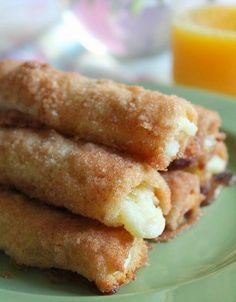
129,118
83,177
185,200
36,235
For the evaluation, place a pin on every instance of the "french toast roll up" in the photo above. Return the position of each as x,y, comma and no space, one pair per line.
204,143
186,198
208,133
211,163
206,155
154,127
86,179
211,170
37,235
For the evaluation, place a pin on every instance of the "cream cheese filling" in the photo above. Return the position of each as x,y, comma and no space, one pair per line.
187,127
172,148
140,214
216,165
127,263
209,142
182,125
129,259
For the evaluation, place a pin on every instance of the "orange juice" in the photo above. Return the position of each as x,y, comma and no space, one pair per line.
204,48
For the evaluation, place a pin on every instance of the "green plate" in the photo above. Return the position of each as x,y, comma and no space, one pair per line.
200,265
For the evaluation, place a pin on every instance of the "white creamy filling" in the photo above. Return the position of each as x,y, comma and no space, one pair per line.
139,214
172,148
129,259
216,165
127,263
187,127
209,142
182,125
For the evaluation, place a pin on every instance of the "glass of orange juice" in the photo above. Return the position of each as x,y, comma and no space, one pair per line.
204,47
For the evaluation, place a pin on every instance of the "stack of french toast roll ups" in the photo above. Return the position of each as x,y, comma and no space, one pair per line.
92,169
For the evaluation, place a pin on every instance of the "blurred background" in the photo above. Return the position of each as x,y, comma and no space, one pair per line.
127,40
